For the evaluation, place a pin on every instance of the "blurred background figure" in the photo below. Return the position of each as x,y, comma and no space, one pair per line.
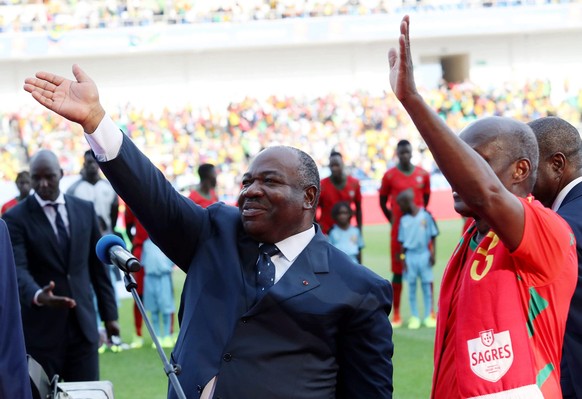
338,187
401,177
158,291
23,185
343,235
93,188
417,234
204,193
137,234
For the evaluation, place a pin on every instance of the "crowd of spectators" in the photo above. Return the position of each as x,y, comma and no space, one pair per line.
363,127
56,15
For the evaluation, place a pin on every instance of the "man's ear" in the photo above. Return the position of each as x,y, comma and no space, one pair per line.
309,197
558,163
522,170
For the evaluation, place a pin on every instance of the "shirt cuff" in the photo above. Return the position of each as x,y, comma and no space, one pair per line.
106,140
35,298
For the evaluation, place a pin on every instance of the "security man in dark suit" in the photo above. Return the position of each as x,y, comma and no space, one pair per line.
54,237
298,320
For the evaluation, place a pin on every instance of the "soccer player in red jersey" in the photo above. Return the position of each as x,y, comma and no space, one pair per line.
23,185
338,187
506,290
137,235
401,177
204,194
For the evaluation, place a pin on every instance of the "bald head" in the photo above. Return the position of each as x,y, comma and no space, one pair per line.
45,156
45,173
507,141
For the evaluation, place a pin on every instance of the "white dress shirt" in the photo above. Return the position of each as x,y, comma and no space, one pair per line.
51,215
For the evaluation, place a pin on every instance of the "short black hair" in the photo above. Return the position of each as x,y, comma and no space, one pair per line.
402,143
335,153
204,170
339,206
24,173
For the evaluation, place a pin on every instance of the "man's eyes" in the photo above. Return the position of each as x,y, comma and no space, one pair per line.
266,180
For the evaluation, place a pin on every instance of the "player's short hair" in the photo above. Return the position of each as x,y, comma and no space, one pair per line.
205,170
24,173
335,153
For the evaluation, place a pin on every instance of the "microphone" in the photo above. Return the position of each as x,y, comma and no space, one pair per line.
111,251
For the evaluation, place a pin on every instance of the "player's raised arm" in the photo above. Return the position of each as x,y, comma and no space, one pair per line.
77,101
468,172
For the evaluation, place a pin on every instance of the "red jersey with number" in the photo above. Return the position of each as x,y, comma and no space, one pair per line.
502,315
201,200
395,181
331,195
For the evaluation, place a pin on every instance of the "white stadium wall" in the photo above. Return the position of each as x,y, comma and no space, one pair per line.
218,63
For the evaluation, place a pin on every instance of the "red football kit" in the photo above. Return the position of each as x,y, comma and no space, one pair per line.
202,200
394,182
502,315
331,195
8,205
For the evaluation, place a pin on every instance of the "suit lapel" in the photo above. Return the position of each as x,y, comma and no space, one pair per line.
300,278
74,226
248,250
574,193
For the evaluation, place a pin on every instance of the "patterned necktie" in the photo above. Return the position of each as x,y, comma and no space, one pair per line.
62,236
265,269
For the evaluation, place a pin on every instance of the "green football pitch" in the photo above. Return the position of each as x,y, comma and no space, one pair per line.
138,373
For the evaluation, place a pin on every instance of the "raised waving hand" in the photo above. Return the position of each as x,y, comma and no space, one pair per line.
77,101
401,68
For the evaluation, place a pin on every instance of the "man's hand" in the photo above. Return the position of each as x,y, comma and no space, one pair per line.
47,298
401,69
77,101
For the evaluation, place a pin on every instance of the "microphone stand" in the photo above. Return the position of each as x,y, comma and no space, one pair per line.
170,370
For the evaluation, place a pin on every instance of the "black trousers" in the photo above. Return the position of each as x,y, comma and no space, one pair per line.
73,359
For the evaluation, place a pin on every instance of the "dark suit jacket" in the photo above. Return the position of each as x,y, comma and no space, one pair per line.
321,332
14,382
38,261
571,367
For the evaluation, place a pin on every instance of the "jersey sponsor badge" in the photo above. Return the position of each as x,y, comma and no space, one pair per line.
491,354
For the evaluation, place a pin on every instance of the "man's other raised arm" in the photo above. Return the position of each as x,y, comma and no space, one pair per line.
469,174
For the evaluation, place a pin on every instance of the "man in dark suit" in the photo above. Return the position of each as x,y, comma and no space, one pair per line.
14,381
54,237
559,186
322,329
